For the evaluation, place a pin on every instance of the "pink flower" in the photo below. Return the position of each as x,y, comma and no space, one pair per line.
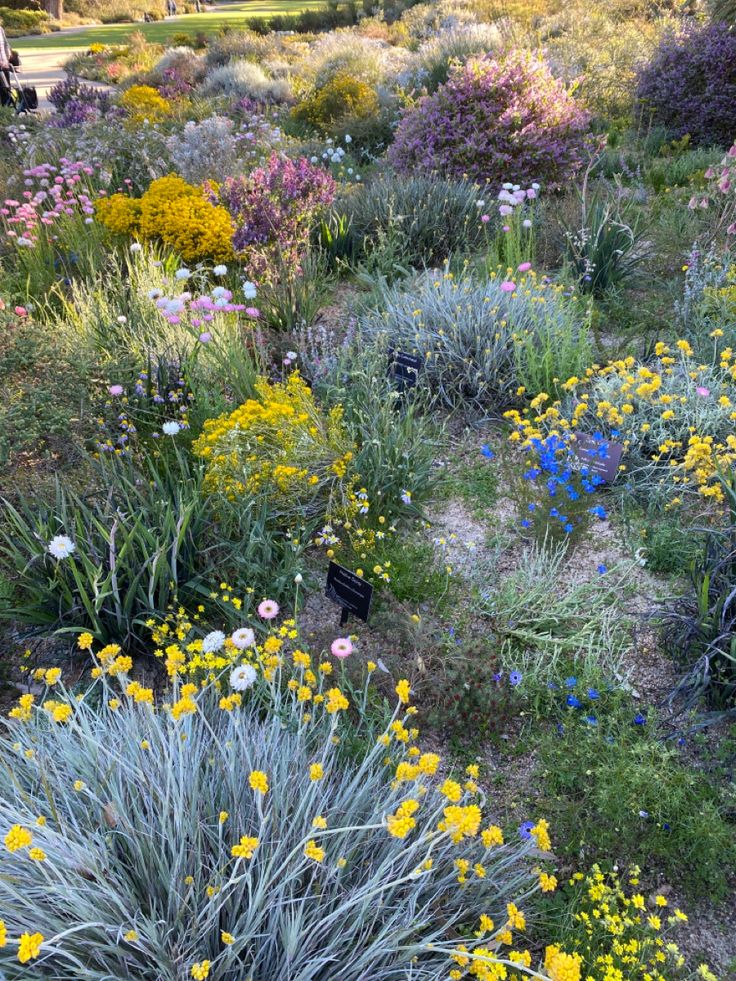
506,228
505,210
268,609
703,391
508,286
253,311
115,389
205,337
524,267
485,219
21,311
341,647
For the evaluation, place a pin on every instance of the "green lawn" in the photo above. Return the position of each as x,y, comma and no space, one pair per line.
233,15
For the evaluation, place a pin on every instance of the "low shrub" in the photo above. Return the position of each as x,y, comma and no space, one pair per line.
138,810
673,414
17,23
466,331
206,148
604,915
495,120
429,219
142,102
618,790
174,213
338,101
689,85
282,445
273,209
244,79
699,628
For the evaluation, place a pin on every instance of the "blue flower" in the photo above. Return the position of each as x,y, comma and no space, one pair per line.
552,685
532,507
487,452
515,678
553,512
591,720
573,701
568,529
525,830
593,694
598,511
639,719
560,728
498,675
571,681
602,569
525,523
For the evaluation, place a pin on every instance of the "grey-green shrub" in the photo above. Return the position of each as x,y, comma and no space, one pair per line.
465,331
141,815
427,219
243,79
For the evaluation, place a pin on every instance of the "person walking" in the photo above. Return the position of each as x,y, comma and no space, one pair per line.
5,56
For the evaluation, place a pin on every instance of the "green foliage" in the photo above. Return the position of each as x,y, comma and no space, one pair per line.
614,789
42,392
467,713
145,538
427,220
294,300
543,619
17,23
608,247
339,100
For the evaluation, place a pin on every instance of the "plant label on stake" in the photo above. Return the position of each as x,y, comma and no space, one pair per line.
349,591
404,369
600,456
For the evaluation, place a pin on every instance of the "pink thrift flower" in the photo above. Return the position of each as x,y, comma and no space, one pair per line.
341,647
524,267
115,389
268,609
253,311
703,391
485,219
205,337
508,286
506,228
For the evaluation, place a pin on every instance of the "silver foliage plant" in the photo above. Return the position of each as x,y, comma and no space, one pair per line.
140,812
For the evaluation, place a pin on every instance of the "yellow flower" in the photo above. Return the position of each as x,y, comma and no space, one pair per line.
312,851
131,936
319,822
37,854
29,946
258,782
18,837
85,641
403,690
79,785
560,966
547,883
245,848
316,771
452,791
400,823
223,816
201,970
227,938
516,918
540,833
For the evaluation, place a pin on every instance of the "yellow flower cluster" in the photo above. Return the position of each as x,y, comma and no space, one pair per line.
674,413
174,213
144,102
280,444
619,933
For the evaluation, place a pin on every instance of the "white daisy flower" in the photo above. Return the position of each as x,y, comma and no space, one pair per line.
244,637
213,642
243,677
61,547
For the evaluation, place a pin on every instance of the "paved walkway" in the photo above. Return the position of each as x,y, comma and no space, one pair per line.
42,68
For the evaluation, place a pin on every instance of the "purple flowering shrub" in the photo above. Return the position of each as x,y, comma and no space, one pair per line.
495,120
76,103
274,208
689,86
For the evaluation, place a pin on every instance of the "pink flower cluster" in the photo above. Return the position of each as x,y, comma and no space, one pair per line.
200,310
51,193
721,193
